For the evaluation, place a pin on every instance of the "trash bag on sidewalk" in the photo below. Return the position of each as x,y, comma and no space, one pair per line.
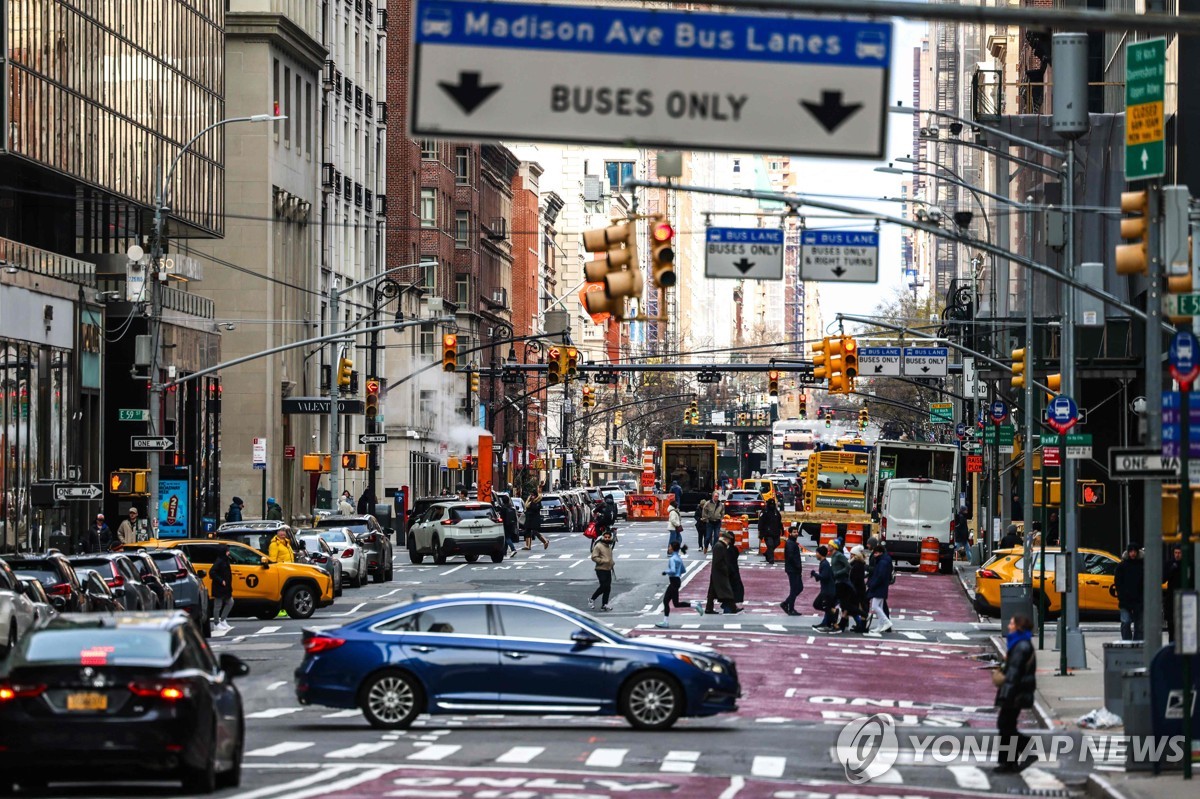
1099,719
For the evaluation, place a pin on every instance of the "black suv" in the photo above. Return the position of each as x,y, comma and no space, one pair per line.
374,538
122,577
57,576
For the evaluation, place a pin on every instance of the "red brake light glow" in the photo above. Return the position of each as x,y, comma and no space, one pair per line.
116,582
10,691
349,553
170,691
59,589
95,656
322,643
987,574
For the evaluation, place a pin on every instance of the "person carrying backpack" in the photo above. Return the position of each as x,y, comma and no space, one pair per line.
234,514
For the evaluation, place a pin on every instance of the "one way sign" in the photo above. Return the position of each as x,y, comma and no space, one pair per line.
151,444
65,491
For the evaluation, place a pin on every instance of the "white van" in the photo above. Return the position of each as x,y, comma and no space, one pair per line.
913,509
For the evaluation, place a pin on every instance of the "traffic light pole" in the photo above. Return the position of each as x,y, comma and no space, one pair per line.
1152,489
335,454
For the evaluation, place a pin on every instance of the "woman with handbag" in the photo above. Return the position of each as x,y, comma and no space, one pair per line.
1016,683
675,526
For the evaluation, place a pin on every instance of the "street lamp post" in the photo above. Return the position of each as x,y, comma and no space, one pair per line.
387,290
155,300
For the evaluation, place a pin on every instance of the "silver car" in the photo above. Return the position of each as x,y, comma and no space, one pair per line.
351,553
325,558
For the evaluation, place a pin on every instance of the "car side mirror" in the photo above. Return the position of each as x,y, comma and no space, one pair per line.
265,562
584,638
233,665
21,588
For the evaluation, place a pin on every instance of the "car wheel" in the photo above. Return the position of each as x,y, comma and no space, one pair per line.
202,780
388,576
413,554
498,556
651,701
471,558
300,602
391,700
439,556
362,574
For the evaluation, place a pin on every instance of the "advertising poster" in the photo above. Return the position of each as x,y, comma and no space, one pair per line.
173,508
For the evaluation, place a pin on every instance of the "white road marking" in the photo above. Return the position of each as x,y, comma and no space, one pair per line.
390,593
341,714
764,766
789,693
1039,780
732,626
625,556
735,786
970,778
958,636
354,609
219,633
680,761
606,758
435,752
269,630
358,750
344,784
273,713
520,754
280,749
912,636
776,628
286,788
275,686
456,568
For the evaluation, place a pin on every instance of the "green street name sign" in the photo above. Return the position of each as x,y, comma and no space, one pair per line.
1002,435
1181,304
133,415
941,413
1145,90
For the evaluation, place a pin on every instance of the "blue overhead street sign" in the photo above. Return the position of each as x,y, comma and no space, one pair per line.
633,76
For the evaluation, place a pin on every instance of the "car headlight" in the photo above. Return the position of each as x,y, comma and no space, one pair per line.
702,663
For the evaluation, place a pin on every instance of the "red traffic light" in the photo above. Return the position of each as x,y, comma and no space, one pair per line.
372,386
662,232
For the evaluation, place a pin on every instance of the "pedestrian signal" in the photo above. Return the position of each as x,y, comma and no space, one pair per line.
1091,494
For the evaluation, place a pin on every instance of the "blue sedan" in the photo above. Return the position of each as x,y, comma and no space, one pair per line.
508,654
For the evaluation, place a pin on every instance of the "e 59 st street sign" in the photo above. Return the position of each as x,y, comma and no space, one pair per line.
650,77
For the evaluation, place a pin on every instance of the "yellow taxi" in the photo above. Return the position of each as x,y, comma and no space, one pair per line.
1097,593
261,587
764,487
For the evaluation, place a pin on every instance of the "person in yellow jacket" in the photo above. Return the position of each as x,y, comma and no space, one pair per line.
281,549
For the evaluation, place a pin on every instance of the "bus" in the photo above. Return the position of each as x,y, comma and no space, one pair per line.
693,464
792,440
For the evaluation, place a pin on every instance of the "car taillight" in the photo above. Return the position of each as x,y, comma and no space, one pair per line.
322,643
349,553
180,575
10,691
987,574
59,589
449,521
883,524
169,690
116,582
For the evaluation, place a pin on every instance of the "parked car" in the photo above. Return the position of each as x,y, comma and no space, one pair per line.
1097,595
258,534
122,577
351,553
453,527
744,503
556,515
17,611
595,494
190,593
439,655
574,509
43,610
323,556
100,596
56,575
618,497
151,576
374,538
130,696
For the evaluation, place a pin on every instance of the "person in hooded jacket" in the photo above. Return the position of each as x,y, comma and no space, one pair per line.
878,584
221,575
1016,694
855,604
770,528
793,566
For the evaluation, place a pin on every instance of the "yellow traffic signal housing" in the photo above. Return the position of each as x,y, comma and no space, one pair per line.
1170,514
829,418
449,352
474,382
1055,492
839,383
316,462
1018,368
554,366
1133,258
773,383
141,481
618,418
821,359
345,370
1091,494
371,410
617,269
1054,383
354,461
572,358
849,359
863,418
662,254
120,482
803,407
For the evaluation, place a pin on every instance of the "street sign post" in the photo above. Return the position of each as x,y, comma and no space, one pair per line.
843,256
372,438
659,78
133,415
925,361
1181,304
1172,428
879,361
65,492
744,253
259,453
1145,91
151,443
1079,446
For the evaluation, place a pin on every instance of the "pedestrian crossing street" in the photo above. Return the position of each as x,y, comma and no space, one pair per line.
416,747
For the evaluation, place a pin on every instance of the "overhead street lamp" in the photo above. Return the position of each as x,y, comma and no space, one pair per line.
155,300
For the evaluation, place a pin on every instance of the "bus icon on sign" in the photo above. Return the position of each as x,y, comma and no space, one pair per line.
871,44
437,21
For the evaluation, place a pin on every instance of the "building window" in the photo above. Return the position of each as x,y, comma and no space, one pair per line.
287,107
429,150
462,166
618,172
462,229
308,115
462,290
428,405
427,344
429,273
737,165
428,207
275,92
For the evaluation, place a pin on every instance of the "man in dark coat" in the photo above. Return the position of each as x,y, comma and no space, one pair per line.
1173,578
97,535
770,528
1129,582
508,514
221,575
1016,694
677,490
962,533
826,599
793,566
234,514
1011,538
732,553
878,584
720,588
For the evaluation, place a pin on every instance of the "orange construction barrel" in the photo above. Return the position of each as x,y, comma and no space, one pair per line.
854,535
930,555
828,533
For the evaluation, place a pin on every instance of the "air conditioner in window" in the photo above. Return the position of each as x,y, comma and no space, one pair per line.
498,229
500,297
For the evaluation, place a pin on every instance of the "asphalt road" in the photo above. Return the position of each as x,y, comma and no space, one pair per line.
800,688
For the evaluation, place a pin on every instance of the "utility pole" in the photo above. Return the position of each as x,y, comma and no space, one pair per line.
335,454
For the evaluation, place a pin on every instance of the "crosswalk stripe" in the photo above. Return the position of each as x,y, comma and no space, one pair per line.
732,626
520,754
776,628
680,761
269,629
359,750
764,766
958,636
1039,780
341,714
273,713
970,778
606,758
280,749
435,752
911,636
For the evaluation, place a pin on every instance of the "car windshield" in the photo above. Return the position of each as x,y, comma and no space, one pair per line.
312,543
39,572
101,647
357,529
551,502
104,567
336,536
743,496
471,512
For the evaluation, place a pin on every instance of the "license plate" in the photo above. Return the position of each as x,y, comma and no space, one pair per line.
87,702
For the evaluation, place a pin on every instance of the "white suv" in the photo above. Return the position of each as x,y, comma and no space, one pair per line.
453,528
16,611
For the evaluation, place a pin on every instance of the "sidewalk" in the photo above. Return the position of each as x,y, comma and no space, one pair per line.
1062,699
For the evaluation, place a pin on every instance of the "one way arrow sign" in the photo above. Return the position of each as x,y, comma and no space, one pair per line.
151,444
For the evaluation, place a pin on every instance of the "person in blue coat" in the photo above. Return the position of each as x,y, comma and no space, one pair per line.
877,586
674,574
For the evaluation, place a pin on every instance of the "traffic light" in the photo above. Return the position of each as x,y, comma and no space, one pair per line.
345,370
371,409
821,359
773,383
617,269
587,400
449,352
692,414
618,418
120,482
662,255
572,358
553,366
1091,494
141,481
1054,382
1018,368
354,461
829,418
475,383
839,382
803,407
863,419
849,359
1133,258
